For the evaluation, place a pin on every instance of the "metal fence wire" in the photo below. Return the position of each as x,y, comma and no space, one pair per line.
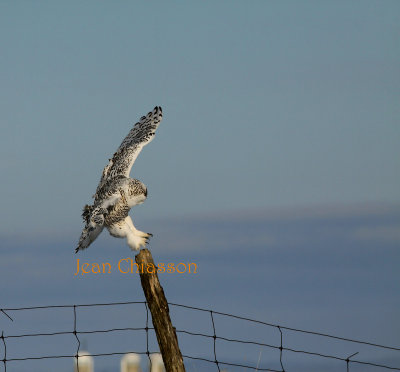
215,337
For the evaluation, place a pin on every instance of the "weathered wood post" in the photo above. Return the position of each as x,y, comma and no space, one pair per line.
154,293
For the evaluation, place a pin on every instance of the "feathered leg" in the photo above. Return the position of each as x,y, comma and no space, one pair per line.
142,234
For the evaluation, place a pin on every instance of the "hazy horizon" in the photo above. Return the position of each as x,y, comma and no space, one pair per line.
350,290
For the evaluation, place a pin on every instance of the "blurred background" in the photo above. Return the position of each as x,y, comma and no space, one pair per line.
275,168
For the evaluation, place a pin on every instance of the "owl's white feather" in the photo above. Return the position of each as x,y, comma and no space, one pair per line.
116,193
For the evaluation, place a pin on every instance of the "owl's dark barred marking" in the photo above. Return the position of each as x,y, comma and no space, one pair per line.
116,193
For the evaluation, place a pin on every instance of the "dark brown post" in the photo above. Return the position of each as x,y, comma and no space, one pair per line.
166,335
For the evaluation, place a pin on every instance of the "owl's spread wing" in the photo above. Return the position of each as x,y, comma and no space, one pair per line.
139,136
94,224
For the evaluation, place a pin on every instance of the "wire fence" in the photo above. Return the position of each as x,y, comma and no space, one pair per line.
216,337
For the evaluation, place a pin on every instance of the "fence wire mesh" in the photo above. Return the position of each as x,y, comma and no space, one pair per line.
218,349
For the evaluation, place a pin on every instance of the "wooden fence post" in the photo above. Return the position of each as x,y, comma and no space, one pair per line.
154,293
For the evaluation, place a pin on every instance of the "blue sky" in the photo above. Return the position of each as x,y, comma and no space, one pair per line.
279,140
265,104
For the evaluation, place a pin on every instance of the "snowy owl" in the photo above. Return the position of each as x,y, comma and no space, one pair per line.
116,193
